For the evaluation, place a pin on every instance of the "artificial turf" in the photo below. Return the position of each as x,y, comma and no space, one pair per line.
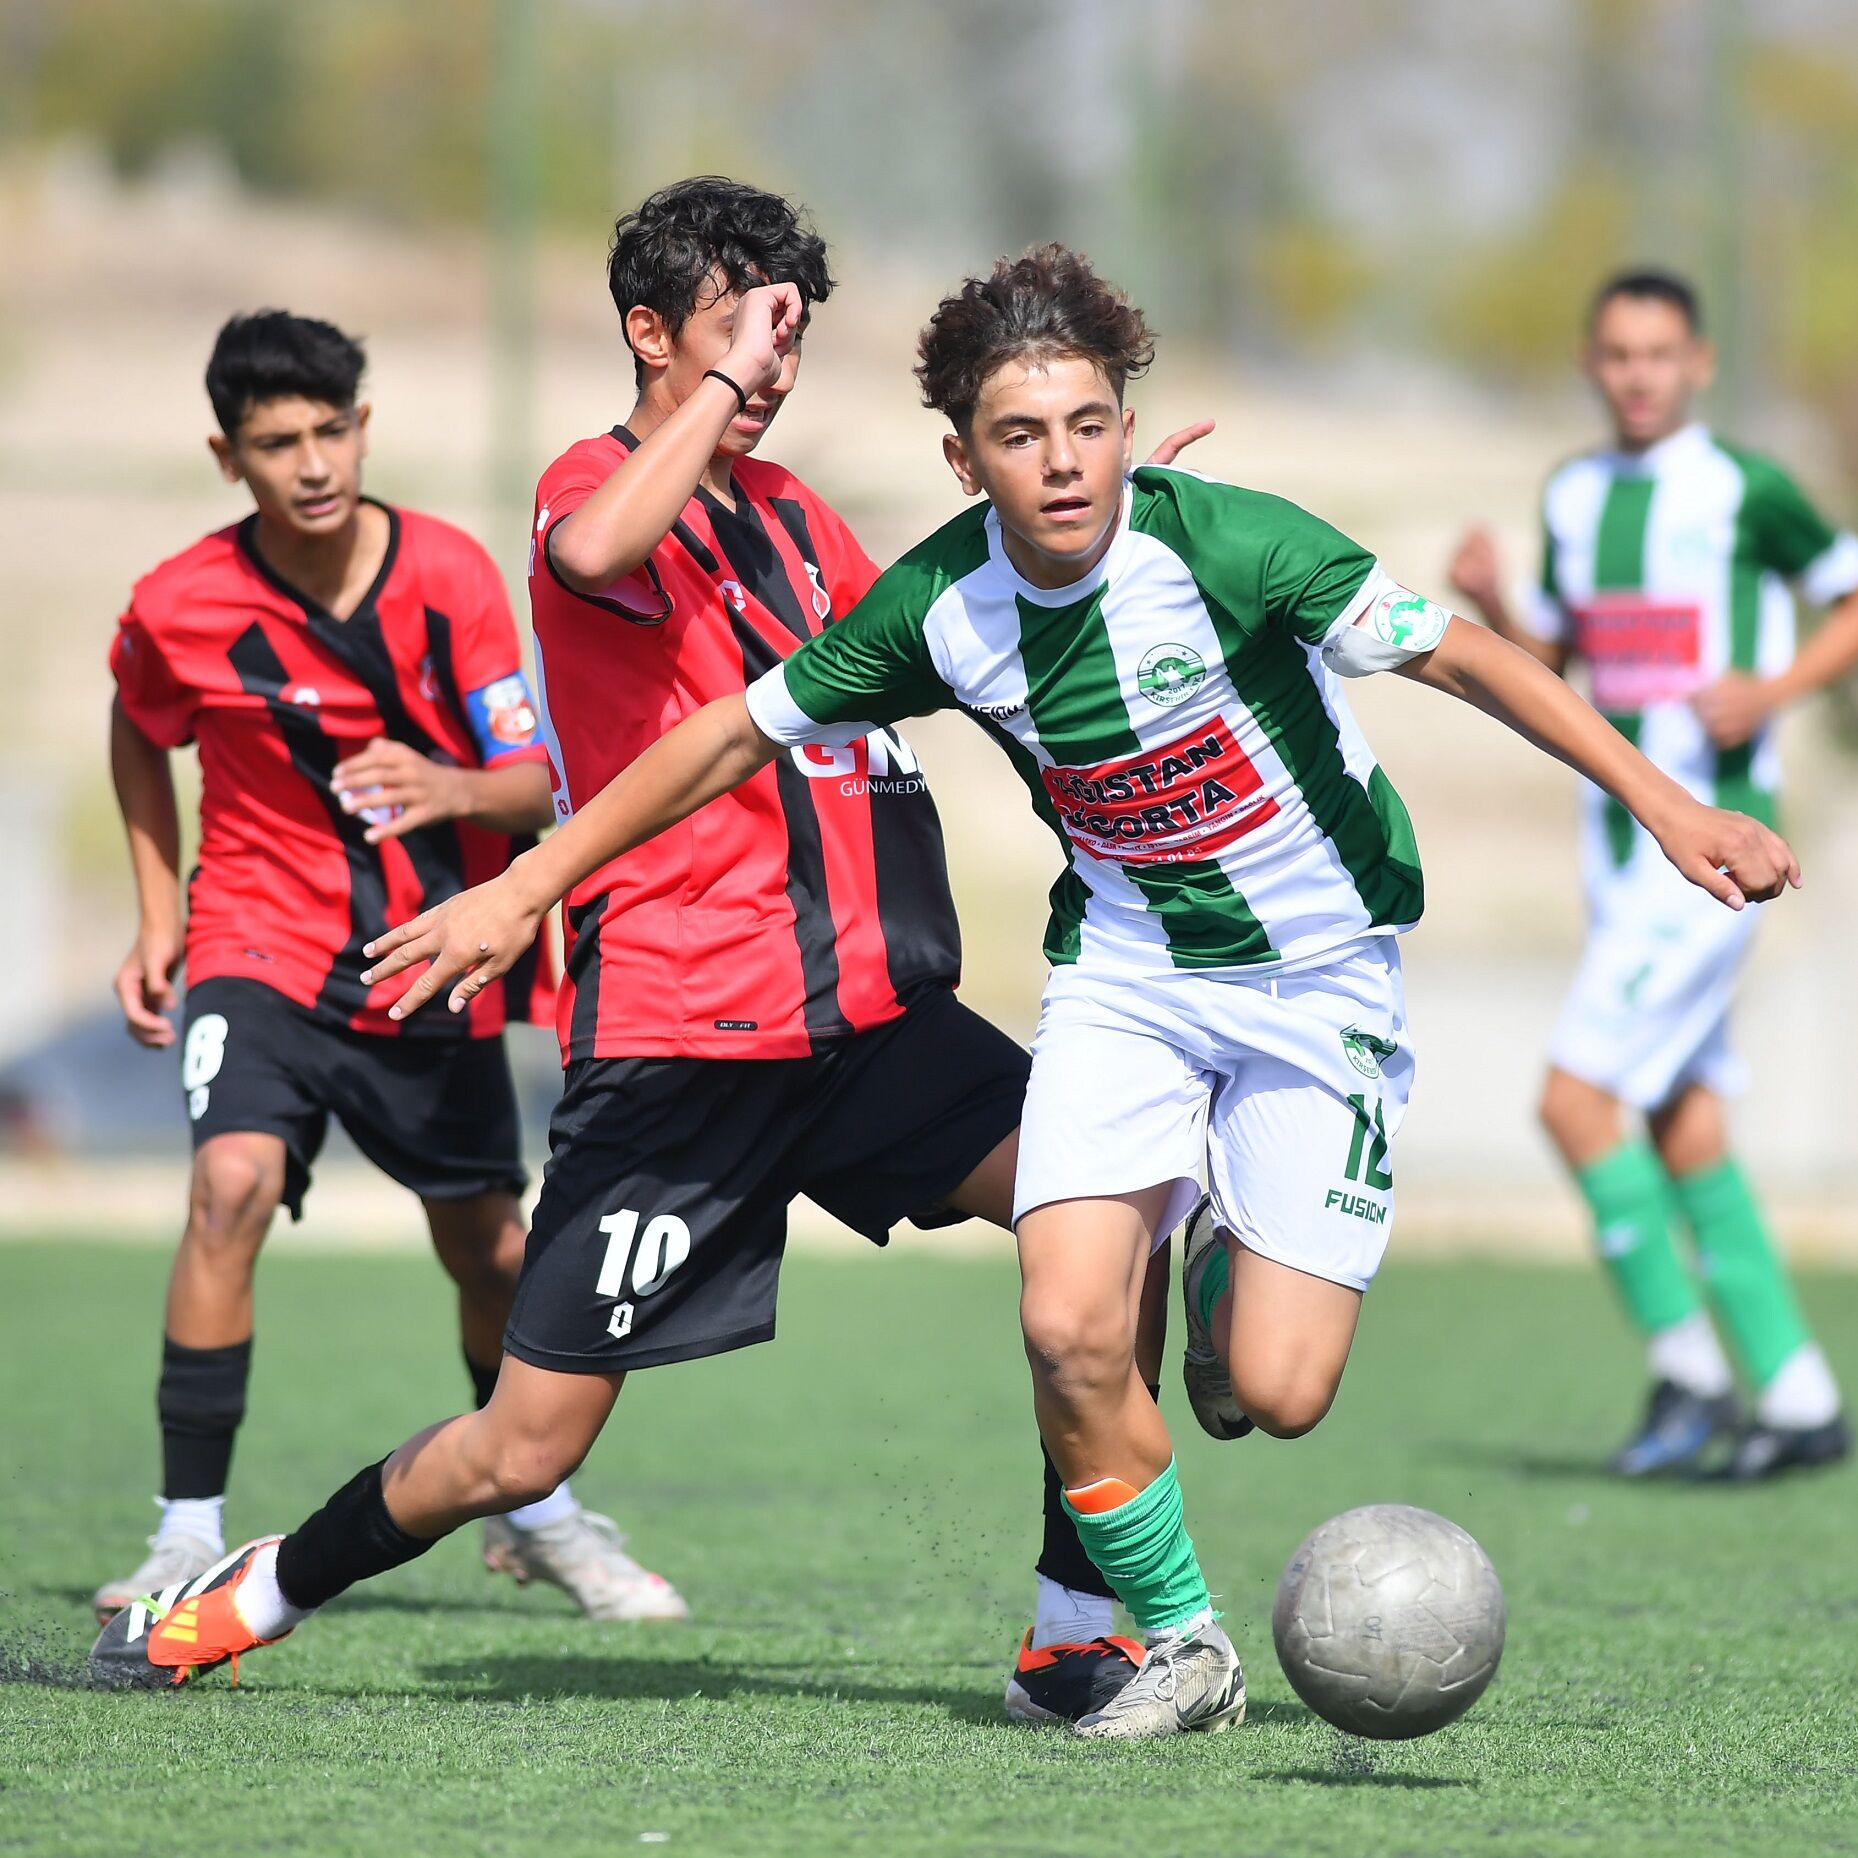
852,1514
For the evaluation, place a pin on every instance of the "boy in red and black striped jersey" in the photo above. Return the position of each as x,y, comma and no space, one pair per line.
758,1004
351,677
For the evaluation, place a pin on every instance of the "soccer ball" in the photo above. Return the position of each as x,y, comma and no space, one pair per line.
1389,1621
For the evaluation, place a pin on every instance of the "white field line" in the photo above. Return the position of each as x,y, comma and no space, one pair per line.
350,1208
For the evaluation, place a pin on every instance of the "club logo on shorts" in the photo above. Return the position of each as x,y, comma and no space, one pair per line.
1170,674
1409,621
1365,1050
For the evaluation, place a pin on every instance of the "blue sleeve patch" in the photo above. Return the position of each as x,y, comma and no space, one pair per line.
502,717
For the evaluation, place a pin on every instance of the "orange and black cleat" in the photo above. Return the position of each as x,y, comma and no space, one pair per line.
166,1638
1060,1683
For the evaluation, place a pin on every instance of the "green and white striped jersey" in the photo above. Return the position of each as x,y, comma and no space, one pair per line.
1663,570
1174,715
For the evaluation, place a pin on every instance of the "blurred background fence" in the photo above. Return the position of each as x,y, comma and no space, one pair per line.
1366,230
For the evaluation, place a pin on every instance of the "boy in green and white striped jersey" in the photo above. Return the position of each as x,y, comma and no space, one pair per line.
1161,658
1665,569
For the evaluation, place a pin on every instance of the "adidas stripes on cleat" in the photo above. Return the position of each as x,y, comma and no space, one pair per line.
163,1639
1060,1683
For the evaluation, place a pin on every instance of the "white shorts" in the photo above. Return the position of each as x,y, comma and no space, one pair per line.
1289,1088
1648,1012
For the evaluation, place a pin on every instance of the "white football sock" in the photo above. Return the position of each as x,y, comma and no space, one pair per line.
557,1504
1689,1354
1067,1617
1188,1627
203,1518
260,1601
1802,1392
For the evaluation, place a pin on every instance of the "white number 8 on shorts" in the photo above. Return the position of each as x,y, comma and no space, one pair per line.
200,1061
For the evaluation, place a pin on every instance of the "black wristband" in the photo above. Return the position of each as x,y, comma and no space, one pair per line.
716,374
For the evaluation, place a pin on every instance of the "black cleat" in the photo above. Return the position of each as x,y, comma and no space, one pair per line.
1679,1428
1060,1683
1765,1451
159,1641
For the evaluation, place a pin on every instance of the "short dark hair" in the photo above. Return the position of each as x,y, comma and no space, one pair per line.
667,250
1659,287
271,354
1046,304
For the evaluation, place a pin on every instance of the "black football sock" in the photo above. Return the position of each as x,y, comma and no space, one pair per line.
1061,1555
200,1400
351,1538
483,1381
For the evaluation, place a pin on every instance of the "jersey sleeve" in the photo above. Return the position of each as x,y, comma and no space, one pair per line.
870,669
640,596
1259,554
1793,538
153,698
499,709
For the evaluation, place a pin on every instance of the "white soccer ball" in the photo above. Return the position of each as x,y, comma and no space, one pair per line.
1389,1621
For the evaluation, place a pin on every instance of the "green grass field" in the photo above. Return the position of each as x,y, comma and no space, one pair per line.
852,1513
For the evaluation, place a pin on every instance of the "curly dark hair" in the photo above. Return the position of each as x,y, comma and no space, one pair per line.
271,355
667,251
1047,304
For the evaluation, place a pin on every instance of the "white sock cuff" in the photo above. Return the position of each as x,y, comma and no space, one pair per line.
557,1505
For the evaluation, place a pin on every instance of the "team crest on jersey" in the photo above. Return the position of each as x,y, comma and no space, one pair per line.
1170,674
1409,621
822,601
1365,1050
736,594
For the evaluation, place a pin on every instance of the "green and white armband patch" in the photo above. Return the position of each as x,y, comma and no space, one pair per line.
1395,626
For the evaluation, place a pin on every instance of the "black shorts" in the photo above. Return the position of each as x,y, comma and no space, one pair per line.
438,1116
663,1216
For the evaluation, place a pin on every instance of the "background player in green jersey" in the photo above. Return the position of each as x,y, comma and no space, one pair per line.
1221,935
1667,558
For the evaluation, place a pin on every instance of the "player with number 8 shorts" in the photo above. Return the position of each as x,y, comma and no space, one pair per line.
351,676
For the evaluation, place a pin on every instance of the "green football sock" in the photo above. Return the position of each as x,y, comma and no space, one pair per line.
1145,1553
1742,1272
1628,1194
1213,1282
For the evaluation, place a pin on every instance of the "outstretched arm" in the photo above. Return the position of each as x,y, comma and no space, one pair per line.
1734,858
476,936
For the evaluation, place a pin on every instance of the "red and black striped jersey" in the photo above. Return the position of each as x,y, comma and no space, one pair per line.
218,650
810,903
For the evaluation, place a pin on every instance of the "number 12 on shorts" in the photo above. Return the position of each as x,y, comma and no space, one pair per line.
1368,1123
637,1262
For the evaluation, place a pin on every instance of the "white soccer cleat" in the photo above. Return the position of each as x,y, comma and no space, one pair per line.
1187,1682
173,1560
1208,1384
584,1555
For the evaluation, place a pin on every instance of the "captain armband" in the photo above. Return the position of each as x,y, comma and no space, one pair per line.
1400,625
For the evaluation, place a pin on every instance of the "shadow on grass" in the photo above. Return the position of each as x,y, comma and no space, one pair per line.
1344,1777
677,1680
